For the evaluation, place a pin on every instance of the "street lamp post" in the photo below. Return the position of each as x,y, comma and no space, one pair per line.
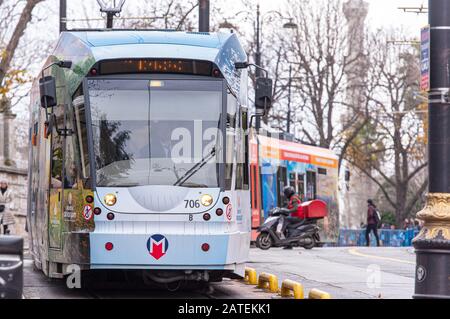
288,124
432,245
203,16
258,57
62,15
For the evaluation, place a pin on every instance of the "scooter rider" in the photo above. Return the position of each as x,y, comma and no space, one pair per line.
294,208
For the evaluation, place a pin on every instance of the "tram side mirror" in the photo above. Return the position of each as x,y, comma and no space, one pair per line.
65,64
241,65
47,89
263,94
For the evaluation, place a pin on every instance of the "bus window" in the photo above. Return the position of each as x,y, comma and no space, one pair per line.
301,186
282,182
311,186
292,181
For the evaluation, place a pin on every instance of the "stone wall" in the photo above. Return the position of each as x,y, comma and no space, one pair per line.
17,181
13,165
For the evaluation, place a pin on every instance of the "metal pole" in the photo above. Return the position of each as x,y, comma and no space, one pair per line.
203,15
288,124
258,57
62,15
432,245
109,20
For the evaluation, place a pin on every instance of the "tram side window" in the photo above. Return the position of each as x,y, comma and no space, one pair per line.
244,119
230,136
71,154
81,139
57,149
242,178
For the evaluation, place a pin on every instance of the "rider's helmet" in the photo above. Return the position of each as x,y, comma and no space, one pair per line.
288,191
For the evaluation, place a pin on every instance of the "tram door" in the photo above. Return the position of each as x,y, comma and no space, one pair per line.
311,185
56,181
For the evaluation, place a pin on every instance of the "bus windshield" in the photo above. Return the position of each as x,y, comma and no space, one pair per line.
153,132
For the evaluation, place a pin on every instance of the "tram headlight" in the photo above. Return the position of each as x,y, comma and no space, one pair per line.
206,200
110,199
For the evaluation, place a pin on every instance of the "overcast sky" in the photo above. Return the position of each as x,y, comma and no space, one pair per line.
382,13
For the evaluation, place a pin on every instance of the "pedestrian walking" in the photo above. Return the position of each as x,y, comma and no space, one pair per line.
372,222
6,205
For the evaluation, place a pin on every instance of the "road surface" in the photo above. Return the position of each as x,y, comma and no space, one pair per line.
343,272
346,272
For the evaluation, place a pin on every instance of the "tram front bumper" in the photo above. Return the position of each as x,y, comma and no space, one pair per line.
169,251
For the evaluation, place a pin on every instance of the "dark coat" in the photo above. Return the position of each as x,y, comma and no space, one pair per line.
371,219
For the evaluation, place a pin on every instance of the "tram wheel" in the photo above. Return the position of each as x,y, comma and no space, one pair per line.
264,241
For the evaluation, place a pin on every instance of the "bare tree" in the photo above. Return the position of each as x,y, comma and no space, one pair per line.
161,14
16,53
318,53
9,51
392,151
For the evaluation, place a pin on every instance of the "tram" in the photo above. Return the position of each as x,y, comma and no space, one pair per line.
139,157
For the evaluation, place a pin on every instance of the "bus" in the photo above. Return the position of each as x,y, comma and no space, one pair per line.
139,157
276,162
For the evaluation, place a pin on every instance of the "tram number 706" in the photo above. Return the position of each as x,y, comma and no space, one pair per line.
192,203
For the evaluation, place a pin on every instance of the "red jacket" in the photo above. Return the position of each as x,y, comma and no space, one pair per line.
296,200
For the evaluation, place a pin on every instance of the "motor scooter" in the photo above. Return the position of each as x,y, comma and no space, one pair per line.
304,233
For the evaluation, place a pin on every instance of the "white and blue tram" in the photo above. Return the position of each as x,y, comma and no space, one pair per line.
139,157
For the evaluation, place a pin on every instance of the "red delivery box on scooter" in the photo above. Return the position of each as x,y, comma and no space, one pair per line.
315,209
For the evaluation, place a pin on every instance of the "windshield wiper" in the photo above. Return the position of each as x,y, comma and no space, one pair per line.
198,166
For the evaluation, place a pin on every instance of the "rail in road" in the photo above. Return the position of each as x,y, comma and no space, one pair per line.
37,286
341,272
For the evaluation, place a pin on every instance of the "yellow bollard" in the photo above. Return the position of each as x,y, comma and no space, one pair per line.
289,285
268,281
318,294
251,278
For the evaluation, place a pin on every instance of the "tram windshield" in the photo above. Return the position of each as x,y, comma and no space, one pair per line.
153,132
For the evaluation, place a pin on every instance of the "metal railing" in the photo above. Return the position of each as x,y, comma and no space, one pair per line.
388,237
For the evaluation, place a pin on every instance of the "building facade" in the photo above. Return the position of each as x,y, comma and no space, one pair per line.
13,164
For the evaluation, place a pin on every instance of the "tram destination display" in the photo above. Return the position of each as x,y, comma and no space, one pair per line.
156,66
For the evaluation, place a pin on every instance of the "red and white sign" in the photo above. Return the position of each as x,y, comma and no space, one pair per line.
88,212
229,212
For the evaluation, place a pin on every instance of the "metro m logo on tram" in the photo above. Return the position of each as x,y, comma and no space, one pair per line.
157,245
